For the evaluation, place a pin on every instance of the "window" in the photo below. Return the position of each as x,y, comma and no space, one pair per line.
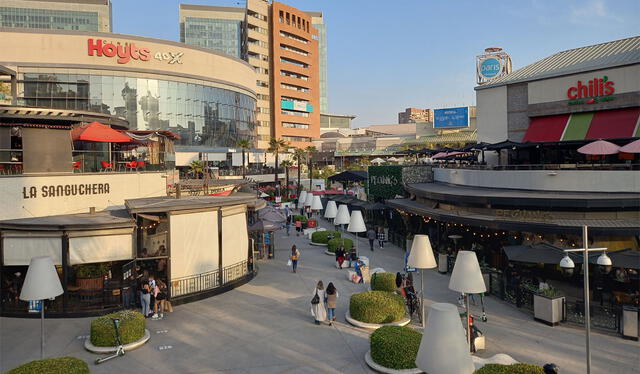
294,62
262,84
294,113
263,110
295,101
294,50
293,75
294,37
263,97
292,87
296,138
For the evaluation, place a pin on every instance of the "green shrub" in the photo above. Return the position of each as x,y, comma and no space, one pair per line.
520,368
377,307
131,328
395,347
93,270
57,365
323,236
383,282
333,244
302,219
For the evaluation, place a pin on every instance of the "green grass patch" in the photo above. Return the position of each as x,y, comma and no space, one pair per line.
377,307
131,328
57,365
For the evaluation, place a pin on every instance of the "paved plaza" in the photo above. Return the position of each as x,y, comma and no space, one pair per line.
265,327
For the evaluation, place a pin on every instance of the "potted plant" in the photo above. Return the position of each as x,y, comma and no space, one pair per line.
91,276
548,306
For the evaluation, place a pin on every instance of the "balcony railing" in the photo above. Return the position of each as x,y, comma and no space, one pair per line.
208,281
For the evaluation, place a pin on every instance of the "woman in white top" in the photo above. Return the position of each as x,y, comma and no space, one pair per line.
318,310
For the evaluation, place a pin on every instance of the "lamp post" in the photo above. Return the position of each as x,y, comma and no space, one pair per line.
466,278
316,204
442,347
342,217
331,211
567,265
356,225
421,257
41,283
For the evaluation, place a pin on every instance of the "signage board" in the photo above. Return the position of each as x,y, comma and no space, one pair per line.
594,91
451,117
385,181
129,51
490,67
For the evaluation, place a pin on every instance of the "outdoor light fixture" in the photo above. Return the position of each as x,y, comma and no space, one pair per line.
567,267
308,199
342,216
316,204
332,210
356,225
301,199
421,257
41,283
442,348
467,278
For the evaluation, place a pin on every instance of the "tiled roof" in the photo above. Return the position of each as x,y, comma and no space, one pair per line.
578,60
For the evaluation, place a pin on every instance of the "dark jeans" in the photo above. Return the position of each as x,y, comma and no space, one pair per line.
371,243
294,264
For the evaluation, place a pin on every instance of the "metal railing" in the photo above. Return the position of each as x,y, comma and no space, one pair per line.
10,161
572,166
234,272
208,281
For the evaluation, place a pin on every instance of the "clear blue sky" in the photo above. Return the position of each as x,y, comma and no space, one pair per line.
384,56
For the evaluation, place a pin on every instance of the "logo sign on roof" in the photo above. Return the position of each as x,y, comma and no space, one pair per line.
124,53
451,117
490,67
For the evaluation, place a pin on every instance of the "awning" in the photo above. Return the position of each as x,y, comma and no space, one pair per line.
542,253
97,132
606,124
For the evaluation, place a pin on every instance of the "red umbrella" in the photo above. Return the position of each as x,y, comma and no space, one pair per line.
97,132
633,147
599,147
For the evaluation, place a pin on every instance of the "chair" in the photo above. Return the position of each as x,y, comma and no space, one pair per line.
76,165
131,165
141,165
106,166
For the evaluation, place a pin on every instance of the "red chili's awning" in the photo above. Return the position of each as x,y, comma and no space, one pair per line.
97,132
606,124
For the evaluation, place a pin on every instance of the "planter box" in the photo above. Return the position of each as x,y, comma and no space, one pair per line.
548,310
90,283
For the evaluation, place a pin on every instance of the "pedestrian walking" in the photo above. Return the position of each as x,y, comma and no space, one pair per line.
318,304
339,257
298,227
160,293
332,302
288,224
295,256
371,235
381,237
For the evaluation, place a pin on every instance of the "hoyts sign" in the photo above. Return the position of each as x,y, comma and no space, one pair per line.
129,51
591,90
124,52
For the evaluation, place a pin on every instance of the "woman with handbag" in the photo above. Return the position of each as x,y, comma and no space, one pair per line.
295,256
318,309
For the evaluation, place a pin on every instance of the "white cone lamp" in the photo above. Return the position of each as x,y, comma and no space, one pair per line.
41,283
442,348
316,203
356,225
342,217
421,257
332,210
466,278
308,199
301,199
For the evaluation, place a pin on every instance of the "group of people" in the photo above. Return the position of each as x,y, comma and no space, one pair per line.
376,234
342,255
324,303
151,292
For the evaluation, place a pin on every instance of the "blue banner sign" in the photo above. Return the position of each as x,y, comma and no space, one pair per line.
451,117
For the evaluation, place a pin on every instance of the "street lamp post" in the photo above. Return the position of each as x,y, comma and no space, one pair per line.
421,257
567,264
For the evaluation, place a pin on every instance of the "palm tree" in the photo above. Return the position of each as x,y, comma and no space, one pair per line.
299,154
244,144
276,146
286,164
196,167
310,151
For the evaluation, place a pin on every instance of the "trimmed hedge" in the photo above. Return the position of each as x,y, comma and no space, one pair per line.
520,368
383,282
57,365
334,244
322,237
132,325
377,307
395,347
302,219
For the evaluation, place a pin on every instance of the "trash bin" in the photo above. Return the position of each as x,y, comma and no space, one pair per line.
442,263
630,322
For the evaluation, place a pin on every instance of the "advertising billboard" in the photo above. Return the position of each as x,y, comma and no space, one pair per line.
451,117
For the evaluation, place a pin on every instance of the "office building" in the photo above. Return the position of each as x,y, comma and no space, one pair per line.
85,15
217,28
317,21
413,115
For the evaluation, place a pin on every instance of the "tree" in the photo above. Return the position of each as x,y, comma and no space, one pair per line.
277,146
310,151
196,166
244,144
299,154
286,164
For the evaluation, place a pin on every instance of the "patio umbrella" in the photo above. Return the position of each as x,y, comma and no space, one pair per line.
264,226
272,215
97,132
633,147
377,160
599,147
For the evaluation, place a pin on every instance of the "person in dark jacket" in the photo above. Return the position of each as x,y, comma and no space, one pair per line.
371,235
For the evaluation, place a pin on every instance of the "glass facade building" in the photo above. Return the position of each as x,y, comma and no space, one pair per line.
322,56
222,35
199,114
49,19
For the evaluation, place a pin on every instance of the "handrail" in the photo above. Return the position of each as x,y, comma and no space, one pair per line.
198,283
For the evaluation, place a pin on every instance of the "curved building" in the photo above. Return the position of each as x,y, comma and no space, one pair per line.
206,97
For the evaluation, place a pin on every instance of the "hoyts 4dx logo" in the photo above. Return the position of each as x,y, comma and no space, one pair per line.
591,92
129,51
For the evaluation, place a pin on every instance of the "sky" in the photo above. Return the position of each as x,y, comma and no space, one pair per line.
384,56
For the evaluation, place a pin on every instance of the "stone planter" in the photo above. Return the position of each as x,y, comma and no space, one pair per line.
381,369
374,326
127,347
548,310
319,244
